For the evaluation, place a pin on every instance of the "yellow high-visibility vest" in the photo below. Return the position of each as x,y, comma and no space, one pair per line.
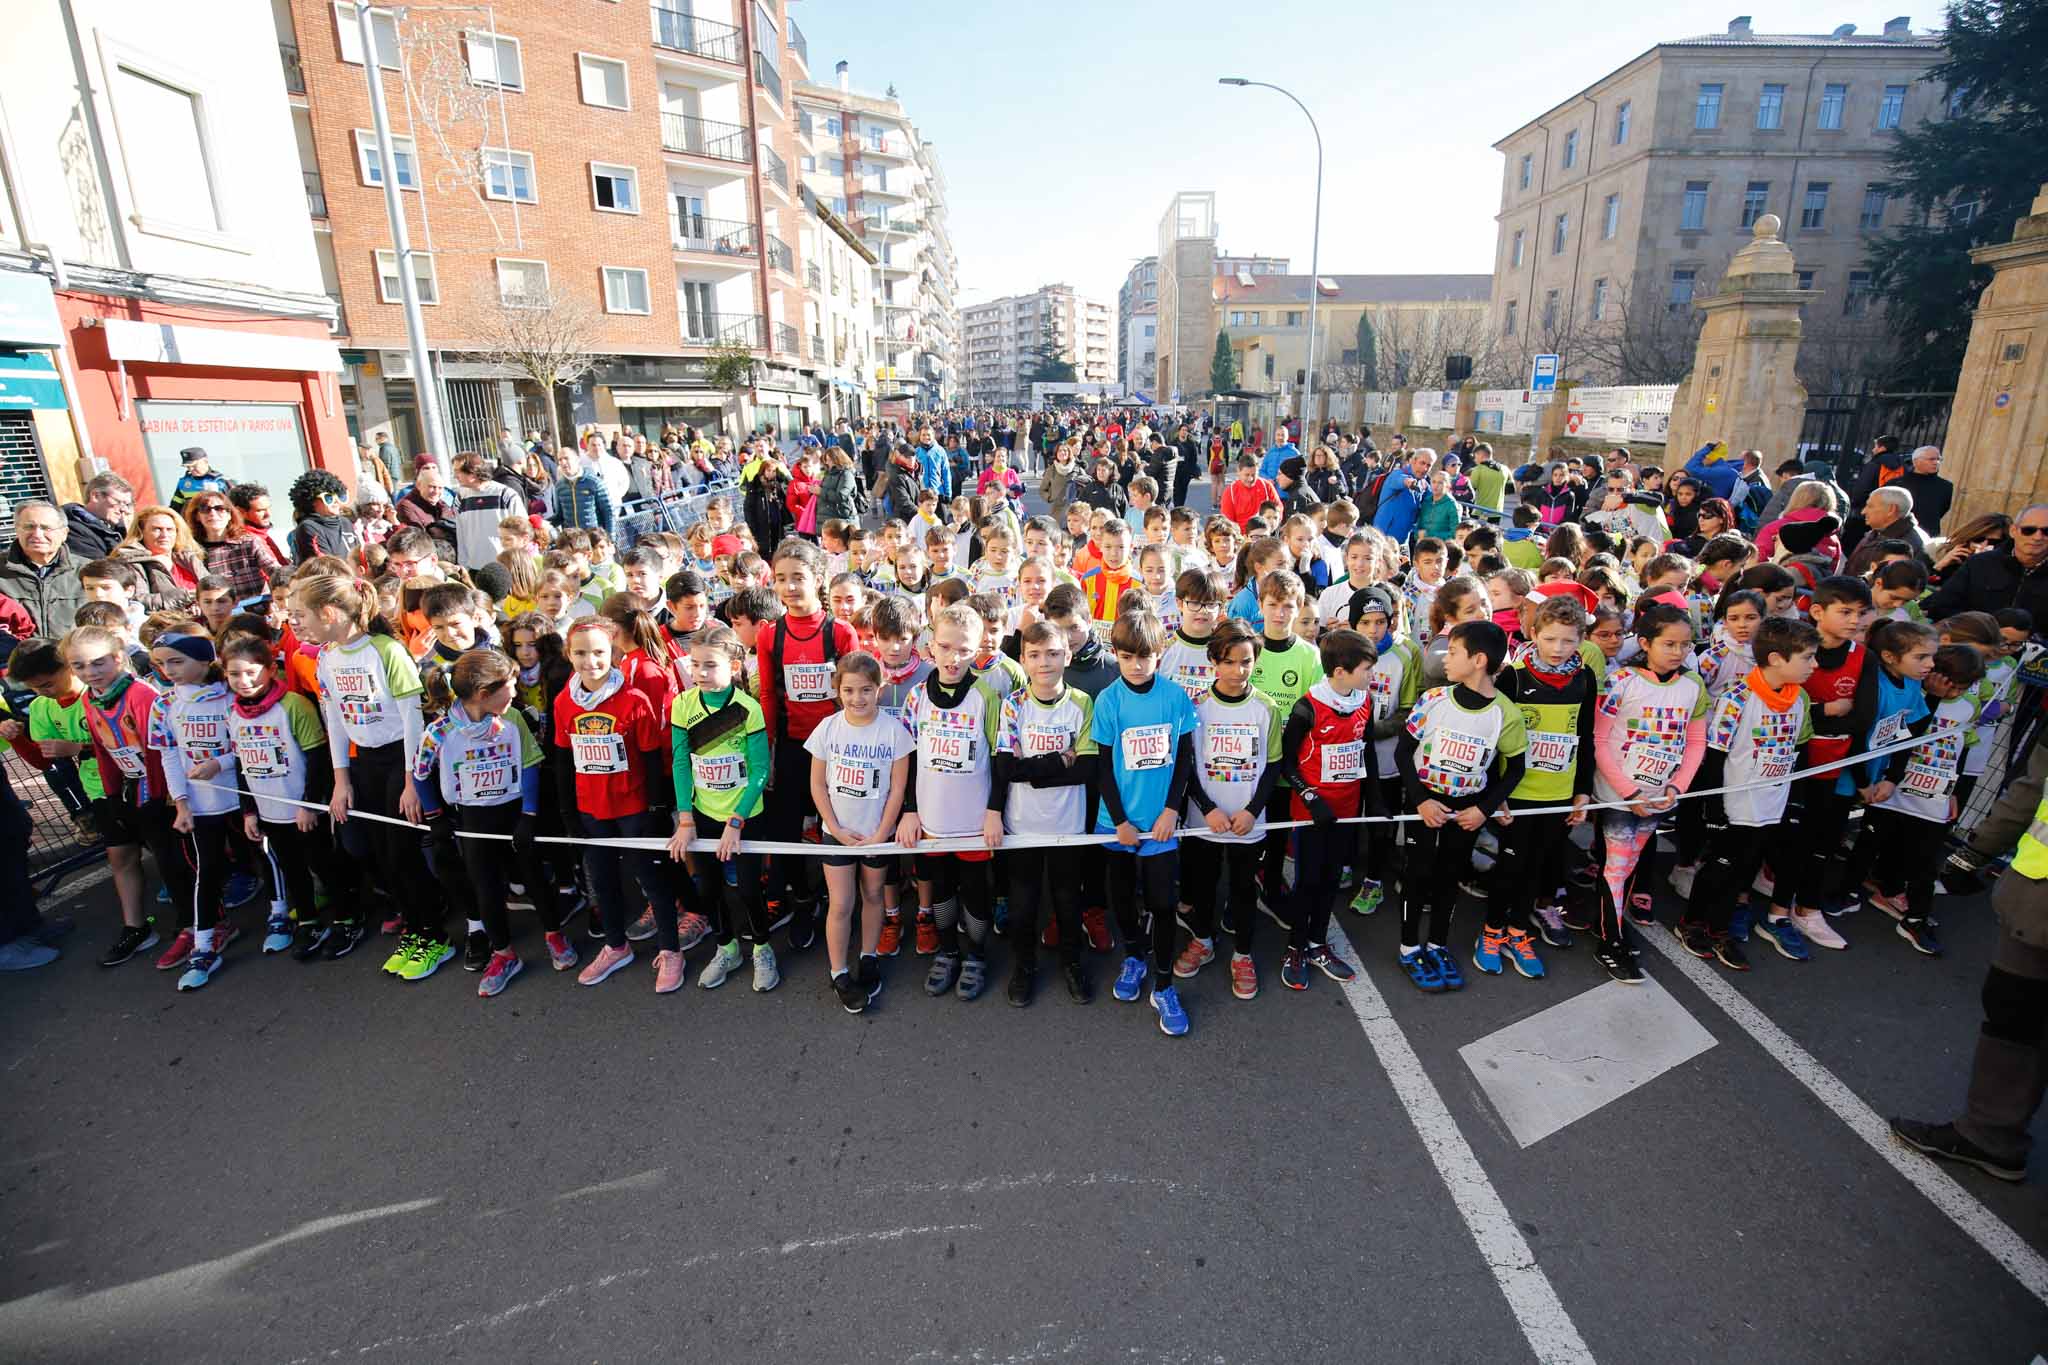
2031,859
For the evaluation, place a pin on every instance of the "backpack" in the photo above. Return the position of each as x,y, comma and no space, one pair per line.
775,662
1369,503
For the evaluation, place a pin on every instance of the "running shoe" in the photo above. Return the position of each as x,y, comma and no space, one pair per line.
424,963
1578,916
945,971
132,940
476,951
1893,904
607,961
1550,925
312,937
803,928
1294,969
1370,894
1244,977
561,952
724,962
277,934
1193,958
767,972
199,969
1486,950
1095,928
1324,959
1729,953
852,998
1521,951
642,928
1682,878
1818,931
1619,960
1943,1142
1642,912
499,972
1447,968
1023,984
175,955
240,890
1920,933
1740,923
1173,1019
1695,938
869,975
394,925
408,944
343,938
973,977
1130,980
224,933
669,971
891,942
927,934
691,930
1421,968
1783,933
593,925
1080,986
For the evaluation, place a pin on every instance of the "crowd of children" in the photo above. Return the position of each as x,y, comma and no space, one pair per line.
1057,702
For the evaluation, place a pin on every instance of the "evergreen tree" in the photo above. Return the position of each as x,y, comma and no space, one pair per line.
1048,366
1368,351
1222,365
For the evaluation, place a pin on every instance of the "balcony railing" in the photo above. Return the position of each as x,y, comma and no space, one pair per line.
814,277
767,77
294,74
707,329
680,31
316,196
786,339
780,256
774,167
797,44
817,348
717,236
705,137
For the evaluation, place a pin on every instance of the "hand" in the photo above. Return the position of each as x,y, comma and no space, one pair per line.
729,843
61,748
338,804
250,830
1503,817
1318,810
908,829
523,833
1435,814
1841,706
1578,815
1470,818
1127,834
1664,802
1068,756
1217,821
306,820
992,828
1879,792
182,821
12,730
1165,825
1640,808
679,842
1243,822
409,804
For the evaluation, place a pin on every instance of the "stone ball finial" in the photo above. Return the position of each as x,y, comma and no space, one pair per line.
1767,227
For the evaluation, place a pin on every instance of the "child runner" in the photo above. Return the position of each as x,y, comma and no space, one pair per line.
189,727
1328,765
719,744
1186,662
1395,684
1287,667
1724,663
132,813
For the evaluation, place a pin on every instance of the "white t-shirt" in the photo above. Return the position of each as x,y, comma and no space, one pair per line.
858,760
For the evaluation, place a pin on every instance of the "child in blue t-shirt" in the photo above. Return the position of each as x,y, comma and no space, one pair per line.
1145,728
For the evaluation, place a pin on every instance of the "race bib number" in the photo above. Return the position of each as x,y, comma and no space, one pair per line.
355,684
853,779
1458,752
1773,764
482,781
1146,747
1552,751
1888,730
718,772
203,736
1232,748
598,755
946,749
807,682
1651,764
128,759
1344,762
260,759
1037,740
1927,780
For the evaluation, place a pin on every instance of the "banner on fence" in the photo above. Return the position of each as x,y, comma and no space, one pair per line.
1436,408
1640,412
1509,412
1378,410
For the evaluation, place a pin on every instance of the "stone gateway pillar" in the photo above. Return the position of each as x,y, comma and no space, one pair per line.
1997,452
1744,389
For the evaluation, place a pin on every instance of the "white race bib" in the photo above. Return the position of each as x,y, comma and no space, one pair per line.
945,749
1146,747
260,759
1037,740
598,755
354,683
1773,764
483,781
1929,780
852,778
807,682
718,772
1344,762
1456,751
1888,730
1651,764
1551,751
1232,746
129,760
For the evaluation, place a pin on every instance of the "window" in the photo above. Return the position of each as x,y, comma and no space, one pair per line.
1294,319
1599,309
694,302
1528,164
1621,113
1559,233
835,165
625,290
617,188
1856,302
1965,211
508,175
1892,107
1958,96
803,122
494,60
372,165
1692,213
832,125
1571,149
422,277
603,81
383,27
1610,217
809,162
1755,196
1770,107
1681,289
1832,100
1507,320
1516,258
522,284
165,146
1874,200
1550,310
1806,279
1814,216
1706,110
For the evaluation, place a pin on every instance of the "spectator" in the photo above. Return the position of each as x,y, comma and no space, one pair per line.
97,523
1990,581
429,506
1325,477
1401,495
605,462
1710,465
1888,515
232,551
252,500
1283,450
579,498
373,481
38,572
1932,494
198,478
160,544
1489,481
1812,500
322,528
1242,497
481,506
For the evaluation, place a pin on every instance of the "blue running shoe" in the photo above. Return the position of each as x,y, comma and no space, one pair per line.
1447,968
241,889
1422,970
1785,936
1487,950
1739,923
1173,1019
1521,951
199,969
1130,979
277,935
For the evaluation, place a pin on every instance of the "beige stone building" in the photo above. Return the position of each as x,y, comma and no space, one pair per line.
1422,317
1001,339
1625,202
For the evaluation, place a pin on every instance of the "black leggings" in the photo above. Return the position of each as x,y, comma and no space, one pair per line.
1319,859
1699,817
1733,856
296,856
490,864
1806,848
1214,870
376,779
960,900
606,867
207,848
173,860
1530,862
1903,853
1145,886
1437,860
793,881
1027,871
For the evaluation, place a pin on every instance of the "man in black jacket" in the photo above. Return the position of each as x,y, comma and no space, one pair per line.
1996,579
99,523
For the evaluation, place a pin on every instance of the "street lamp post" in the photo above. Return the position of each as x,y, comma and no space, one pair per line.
1315,240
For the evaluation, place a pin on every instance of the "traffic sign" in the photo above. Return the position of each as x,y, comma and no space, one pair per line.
1543,374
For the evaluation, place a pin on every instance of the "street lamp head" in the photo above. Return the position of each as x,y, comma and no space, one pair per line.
1232,80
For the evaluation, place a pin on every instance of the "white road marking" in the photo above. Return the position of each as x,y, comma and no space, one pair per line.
1028,1180
1964,1209
1531,1298
1553,1068
645,1180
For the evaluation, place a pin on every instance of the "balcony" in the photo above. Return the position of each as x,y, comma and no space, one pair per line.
797,45
774,169
766,77
294,74
708,329
681,31
713,236
705,137
817,348
814,278
786,340
896,147
780,256
316,195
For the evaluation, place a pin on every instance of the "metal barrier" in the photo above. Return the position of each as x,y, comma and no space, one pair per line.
54,849
674,512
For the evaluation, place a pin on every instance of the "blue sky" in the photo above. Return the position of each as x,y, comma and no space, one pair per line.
1064,128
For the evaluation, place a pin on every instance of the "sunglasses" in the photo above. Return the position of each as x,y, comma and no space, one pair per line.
2031,530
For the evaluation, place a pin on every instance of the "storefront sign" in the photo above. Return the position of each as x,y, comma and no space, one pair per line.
28,379
28,311
244,442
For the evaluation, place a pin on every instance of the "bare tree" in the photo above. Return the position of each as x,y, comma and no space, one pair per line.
1638,339
1409,346
1840,354
548,338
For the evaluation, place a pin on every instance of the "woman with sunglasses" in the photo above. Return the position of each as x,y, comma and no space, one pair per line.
232,551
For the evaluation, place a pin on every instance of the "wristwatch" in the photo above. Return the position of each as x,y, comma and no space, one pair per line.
736,822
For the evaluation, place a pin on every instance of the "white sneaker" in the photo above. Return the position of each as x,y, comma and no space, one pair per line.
1681,880
727,960
1818,931
767,976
